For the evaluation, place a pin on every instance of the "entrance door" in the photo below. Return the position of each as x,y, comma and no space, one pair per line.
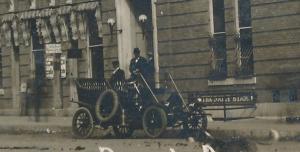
134,32
144,32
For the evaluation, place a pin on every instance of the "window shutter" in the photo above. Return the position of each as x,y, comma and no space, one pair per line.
63,28
98,16
74,28
15,30
82,26
7,34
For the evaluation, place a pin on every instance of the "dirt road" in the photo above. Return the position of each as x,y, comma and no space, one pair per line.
55,143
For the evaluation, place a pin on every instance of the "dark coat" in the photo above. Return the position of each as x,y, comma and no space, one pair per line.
118,75
140,65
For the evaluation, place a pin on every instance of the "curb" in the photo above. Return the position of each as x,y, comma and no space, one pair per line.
266,134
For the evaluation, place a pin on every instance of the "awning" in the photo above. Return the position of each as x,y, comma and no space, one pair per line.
8,17
29,14
63,29
45,31
54,25
87,6
46,12
64,10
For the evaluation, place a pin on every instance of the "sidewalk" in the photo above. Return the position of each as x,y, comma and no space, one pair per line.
25,124
257,128
253,128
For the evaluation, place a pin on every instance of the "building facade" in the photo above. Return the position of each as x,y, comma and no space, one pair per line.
209,46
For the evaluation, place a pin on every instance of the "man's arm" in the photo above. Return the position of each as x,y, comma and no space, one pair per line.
131,68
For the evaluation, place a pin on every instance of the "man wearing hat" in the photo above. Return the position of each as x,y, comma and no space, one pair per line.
118,75
138,64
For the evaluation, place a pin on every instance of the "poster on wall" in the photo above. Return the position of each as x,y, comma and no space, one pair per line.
49,66
63,66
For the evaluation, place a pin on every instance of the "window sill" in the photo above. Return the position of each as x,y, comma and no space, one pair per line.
232,81
1,92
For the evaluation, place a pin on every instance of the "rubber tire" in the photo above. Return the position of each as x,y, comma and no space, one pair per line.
115,105
163,120
74,123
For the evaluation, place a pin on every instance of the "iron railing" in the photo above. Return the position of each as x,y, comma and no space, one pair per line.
244,53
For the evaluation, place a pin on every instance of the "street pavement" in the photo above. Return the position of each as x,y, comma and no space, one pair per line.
51,143
250,128
54,134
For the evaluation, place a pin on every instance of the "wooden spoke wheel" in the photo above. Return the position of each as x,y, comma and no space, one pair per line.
82,123
123,128
123,131
195,124
154,121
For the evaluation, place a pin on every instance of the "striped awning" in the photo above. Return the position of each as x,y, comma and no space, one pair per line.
29,14
64,10
87,6
47,12
8,17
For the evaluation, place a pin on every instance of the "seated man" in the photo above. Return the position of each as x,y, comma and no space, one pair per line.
118,75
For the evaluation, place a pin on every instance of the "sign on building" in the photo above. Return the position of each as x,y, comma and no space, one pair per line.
53,48
226,98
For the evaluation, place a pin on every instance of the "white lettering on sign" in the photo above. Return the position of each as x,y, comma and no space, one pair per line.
105,149
53,48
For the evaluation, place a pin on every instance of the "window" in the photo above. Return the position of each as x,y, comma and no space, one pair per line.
217,41
1,73
276,95
95,47
244,47
293,96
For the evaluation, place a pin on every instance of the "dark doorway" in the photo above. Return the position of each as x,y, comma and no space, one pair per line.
95,46
97,62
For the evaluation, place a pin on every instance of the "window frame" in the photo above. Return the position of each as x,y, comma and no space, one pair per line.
243,70
89,48
222,73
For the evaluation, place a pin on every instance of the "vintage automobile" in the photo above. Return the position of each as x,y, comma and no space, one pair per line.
127,106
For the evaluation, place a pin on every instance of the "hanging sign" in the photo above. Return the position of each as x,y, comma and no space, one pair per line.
53,48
